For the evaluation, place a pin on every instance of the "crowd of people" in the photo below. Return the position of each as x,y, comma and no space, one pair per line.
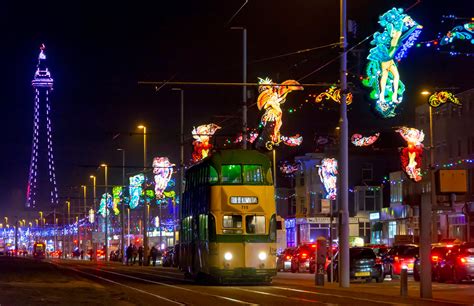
132,252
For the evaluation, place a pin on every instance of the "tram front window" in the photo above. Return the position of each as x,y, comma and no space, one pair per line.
231,174
232,224
255,224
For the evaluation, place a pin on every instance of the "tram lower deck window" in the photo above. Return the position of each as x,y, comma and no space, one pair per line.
255,224
232,221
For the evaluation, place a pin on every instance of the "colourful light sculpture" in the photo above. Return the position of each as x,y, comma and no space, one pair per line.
270,99
442,97
360,141
117,197
390,46
411,155
91,215
135,189
251,136
292,141
163,170
333,93
202,135
328,175
461,32
105,202
43,85
289,168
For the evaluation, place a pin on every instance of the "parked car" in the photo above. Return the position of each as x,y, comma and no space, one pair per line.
459,263
400,256
303,258
363,265
176,256
438,257
284,260
167,259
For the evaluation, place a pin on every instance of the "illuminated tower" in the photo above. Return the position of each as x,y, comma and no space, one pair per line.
39,187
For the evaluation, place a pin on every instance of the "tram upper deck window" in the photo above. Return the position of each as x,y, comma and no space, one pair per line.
213,176
255,224
232,224
253,174
231,174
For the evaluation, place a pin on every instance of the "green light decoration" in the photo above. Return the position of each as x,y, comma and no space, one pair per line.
461,32
116,194
441,97
399,34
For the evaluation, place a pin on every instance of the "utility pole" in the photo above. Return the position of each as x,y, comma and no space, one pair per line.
181,162
244,87
145,205
122,221
344,159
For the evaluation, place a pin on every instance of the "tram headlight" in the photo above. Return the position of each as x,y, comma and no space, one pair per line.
228,256
262,255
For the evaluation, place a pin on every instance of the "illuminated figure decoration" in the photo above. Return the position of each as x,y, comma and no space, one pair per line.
328,174
360,141
117,196
136,189
442,97
460,32
390,46
292,141
91,215
105,203
163,170
202,135
289,168
270,98
39,188
251,136
411,155
333,93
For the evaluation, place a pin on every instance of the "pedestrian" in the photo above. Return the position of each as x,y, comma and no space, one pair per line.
82,254
153,255
91,254
129,253
135,254
140,256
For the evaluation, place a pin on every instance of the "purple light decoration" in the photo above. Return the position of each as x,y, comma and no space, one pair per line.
43,84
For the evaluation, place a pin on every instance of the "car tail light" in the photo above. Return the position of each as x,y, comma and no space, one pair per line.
313,246
288,257
463,260
434,258
378,260
449,246
304,255
395,258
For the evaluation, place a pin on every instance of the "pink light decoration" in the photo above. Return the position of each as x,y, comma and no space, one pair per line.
163,170
360,141
328,175
410,156
292,141
289,168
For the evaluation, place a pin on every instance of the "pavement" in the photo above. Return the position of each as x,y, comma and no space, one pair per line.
25,281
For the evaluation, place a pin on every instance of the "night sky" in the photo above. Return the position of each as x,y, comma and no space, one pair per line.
97,52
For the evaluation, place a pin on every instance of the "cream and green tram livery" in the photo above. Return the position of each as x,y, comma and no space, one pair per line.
228,219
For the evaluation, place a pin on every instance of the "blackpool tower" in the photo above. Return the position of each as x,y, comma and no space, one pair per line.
42,187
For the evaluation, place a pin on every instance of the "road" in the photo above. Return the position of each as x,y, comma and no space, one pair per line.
74,282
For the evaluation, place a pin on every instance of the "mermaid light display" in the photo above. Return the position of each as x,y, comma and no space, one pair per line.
328,175
163,170
105,203
411,155
135,189
390,46
202,135
270,99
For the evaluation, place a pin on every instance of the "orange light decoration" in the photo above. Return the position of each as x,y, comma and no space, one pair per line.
410,156
202,135
271,97
360,141
333,93
442,97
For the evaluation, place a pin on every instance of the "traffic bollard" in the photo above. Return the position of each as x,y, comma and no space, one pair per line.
404,282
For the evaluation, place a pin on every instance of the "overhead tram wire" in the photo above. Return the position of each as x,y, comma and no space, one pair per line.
155,83
293,53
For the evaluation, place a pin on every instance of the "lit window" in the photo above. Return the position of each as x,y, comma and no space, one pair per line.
232,221
253,174
231,174
255,224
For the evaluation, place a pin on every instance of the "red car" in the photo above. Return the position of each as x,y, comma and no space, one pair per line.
303,258
459,264
399,257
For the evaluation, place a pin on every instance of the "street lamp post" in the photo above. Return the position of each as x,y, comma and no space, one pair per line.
94,247
181,163
106,213
122,221
85,214
68,203
244,87
145,206
344,158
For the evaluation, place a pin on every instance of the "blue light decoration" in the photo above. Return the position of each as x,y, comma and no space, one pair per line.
135,189
399,34
43,84
105,203
460,32
328,174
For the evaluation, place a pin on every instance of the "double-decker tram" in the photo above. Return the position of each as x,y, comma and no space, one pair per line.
228,219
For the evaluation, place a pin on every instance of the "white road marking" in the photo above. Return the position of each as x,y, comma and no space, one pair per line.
282,296
181,288
159,275
129,287
336,295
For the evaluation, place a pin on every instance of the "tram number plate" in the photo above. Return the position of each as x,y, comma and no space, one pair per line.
244,207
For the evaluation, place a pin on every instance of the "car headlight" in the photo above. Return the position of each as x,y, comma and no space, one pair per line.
228,256
262,255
